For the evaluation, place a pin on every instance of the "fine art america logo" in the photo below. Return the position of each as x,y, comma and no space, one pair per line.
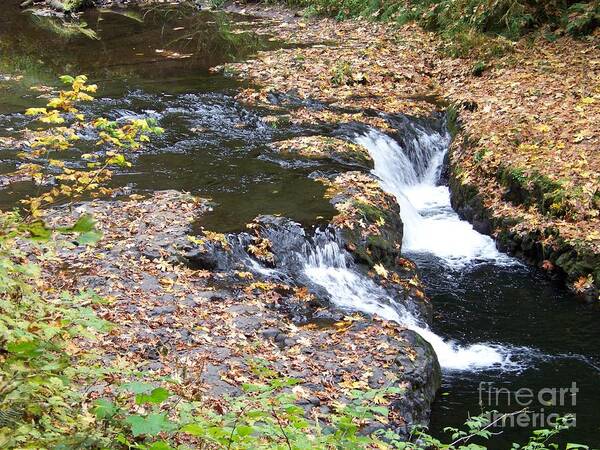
531,408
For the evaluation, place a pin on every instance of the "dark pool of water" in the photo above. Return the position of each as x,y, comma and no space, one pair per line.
155,63
517,307
163,48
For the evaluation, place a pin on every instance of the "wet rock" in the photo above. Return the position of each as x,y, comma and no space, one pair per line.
280,338
319,147
327,315
161,310
289,342
421,371
248,323
270,333
185,335
151,253
149,283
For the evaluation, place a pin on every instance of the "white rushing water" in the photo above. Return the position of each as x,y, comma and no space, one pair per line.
430,223
330,267
430,226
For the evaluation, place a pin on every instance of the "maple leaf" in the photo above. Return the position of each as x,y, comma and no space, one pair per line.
583,283
380,270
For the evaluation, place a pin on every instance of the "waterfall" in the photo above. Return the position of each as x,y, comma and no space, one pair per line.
331,267
430,226
430,223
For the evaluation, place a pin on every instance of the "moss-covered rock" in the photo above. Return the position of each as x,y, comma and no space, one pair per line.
324,147
368,217
541,246
369,222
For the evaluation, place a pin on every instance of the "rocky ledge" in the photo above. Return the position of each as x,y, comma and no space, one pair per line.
190,306
540,244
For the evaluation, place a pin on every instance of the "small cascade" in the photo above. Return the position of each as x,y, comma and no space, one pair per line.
331,267
430,226
430,223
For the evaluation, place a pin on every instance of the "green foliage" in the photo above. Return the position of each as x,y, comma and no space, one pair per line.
265,415
483,25
217,4
343,74
41,366
581,18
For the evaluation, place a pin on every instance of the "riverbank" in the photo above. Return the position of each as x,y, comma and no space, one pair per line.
217,326
526,128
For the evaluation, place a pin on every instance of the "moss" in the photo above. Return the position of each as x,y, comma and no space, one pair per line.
380,242
369,212
536,189
452,120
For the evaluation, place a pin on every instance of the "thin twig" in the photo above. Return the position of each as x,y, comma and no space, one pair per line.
287,440
235,423
489,425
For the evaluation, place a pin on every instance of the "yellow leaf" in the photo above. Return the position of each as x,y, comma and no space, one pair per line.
380,270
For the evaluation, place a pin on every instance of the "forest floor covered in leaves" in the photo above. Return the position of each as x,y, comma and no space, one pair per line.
215,331
528,128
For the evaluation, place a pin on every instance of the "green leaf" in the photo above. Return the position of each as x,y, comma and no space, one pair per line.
118,160
91,237
244,430
39,232
194,429
84,224
137,387
247,387
160,445
24,349
381,410
157,395
67,79
150,425
86,227
104,409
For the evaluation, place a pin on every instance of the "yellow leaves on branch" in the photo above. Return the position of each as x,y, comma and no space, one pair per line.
114,138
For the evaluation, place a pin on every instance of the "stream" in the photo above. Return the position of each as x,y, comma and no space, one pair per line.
496,321
515,328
